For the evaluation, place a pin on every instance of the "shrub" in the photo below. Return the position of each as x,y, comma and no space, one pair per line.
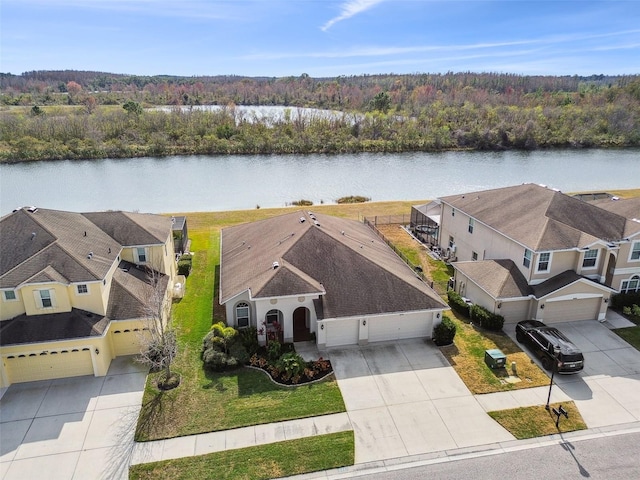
292,364
184,265
274,350
486,319
621,300
457,303
249,338
444,332
633,311
302,203
353,199
222,348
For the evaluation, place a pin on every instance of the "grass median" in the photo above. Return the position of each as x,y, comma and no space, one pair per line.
273,460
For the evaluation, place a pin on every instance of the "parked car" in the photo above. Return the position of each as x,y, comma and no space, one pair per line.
542,340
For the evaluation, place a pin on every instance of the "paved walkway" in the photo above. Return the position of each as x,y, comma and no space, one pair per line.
239,438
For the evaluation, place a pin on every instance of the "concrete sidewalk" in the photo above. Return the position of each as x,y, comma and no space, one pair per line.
239,438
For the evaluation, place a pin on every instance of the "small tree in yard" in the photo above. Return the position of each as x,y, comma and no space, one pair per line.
159,344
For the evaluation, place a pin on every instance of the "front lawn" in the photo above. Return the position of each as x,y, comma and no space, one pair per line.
531,422
631,335
280,459
206,402
466,356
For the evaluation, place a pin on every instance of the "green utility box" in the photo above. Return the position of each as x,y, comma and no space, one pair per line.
495,358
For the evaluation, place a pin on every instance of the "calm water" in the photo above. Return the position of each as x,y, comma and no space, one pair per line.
214,183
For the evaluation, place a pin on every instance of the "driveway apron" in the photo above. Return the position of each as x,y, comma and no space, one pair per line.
403,398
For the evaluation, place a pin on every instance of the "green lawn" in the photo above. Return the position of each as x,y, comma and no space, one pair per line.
281,459
631,335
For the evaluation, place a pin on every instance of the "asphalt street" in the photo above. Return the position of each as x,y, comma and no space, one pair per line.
612,458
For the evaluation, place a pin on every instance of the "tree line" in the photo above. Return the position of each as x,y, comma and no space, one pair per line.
55,115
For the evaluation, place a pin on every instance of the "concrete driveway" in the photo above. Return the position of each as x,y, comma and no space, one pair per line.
403,398
72,428
607,391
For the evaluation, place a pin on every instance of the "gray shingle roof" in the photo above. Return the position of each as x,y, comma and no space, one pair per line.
360,273
129,228
51,327
499,278
541,218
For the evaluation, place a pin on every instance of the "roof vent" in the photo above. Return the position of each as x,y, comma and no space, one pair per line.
90,256
275,265
342,232
615,198
302,220
33,235
32,209
316,223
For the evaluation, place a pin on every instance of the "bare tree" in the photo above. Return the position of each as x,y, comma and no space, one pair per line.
159,344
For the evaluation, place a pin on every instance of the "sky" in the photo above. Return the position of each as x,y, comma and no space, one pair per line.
322,38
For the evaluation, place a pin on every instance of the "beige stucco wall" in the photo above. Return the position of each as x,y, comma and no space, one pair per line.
100,359
92,301
12,308
61,299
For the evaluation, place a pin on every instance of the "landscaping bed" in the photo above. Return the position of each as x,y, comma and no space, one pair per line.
314,371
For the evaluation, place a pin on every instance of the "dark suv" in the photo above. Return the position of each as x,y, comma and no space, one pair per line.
542,340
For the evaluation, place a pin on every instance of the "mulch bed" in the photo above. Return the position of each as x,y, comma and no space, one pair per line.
314,371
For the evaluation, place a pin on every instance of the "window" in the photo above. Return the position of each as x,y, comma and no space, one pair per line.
527,258
590,258
474,256
45,299
451,242
274,316
631,286
242,315
142,255
635,251
83,289
543,262
471,224
10,295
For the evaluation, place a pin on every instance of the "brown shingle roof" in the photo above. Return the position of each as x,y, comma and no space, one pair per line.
359,272
541,218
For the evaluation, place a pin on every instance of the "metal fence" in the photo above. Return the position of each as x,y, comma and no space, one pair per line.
416,268
403,219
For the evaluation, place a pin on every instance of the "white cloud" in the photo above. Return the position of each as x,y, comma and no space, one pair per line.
349,9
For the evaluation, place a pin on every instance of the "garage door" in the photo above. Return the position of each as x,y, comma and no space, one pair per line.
343,332
46,366
126,342
572,310
514,311
397,328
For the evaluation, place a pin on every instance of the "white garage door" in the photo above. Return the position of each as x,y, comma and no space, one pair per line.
396,328
126,341
342,332
60,364
572,310
514,311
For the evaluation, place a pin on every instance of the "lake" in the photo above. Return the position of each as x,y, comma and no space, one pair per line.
233,182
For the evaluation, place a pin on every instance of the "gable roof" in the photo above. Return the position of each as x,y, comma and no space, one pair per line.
543,219
342,260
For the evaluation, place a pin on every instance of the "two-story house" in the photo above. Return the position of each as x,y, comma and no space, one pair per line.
528,251
324,276
74,288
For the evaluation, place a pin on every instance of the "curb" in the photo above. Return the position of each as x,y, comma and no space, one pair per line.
443,456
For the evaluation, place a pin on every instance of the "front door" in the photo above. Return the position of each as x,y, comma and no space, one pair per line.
300,329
